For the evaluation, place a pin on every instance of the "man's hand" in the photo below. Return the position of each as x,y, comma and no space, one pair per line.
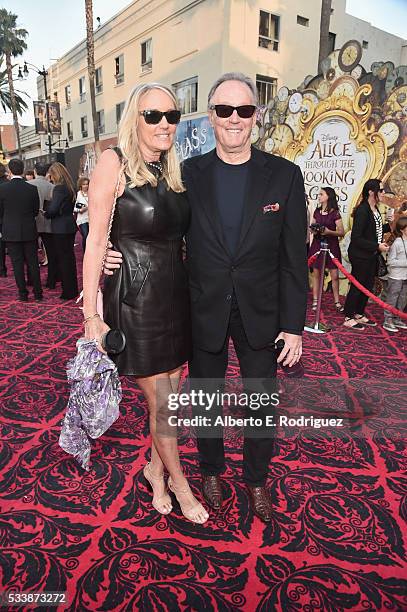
292,351
113,261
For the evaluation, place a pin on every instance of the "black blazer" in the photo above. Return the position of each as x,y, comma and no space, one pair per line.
19,205
363,242
268,272
60,211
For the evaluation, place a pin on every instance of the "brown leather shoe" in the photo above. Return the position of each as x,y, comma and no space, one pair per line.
260,502
212,491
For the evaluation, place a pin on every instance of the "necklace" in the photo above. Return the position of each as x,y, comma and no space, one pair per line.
155,166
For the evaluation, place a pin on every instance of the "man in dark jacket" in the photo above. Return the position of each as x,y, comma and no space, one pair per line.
3,267
246,255
19,205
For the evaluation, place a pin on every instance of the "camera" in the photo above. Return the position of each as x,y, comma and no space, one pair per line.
318,228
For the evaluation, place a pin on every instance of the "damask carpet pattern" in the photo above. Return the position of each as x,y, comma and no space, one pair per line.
338,536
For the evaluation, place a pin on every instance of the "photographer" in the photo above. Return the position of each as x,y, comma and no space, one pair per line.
81,207
326,224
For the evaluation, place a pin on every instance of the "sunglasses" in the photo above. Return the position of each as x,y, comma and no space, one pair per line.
153,117
224,110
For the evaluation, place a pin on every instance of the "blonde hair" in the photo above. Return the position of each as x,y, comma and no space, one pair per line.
60,176
127,141
81,181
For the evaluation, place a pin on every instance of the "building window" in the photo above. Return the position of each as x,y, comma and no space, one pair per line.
302,21
187,94
269,31
119,69
266,89
98,80
146,56
82,89
119,112
68,95
69,131
84,126
365,44
100,117
332,42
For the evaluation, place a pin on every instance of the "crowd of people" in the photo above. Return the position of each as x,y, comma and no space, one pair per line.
41,204
373,245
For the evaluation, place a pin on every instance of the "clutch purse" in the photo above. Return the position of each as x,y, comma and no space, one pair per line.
381,266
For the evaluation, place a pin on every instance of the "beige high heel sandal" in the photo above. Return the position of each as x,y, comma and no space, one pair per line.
196,507
162,503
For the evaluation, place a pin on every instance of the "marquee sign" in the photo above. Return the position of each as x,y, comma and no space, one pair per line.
342,127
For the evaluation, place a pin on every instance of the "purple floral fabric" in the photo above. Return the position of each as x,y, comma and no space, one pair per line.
94,399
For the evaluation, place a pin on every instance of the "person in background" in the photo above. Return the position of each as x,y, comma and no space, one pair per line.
45,189
307,204
365,245
60,211
396,294
29,175
328,217
81,207
400,212
19,205
3,267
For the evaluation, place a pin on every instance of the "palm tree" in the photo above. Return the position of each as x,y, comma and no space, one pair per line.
5,95
5,98
324,31
12,44
90,47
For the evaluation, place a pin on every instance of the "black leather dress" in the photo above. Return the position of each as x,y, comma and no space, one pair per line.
148,298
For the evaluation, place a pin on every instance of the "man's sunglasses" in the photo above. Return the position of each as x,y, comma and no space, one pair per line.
224,110
153,117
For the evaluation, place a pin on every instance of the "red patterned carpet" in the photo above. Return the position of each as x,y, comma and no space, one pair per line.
338,537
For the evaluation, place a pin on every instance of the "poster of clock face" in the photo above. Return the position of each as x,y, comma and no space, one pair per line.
342,127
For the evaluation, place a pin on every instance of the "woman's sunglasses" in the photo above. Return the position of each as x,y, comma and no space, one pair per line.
224,110
153,117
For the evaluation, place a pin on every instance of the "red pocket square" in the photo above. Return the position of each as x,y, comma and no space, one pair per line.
271,208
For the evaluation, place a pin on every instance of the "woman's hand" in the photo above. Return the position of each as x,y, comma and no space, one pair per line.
94,330
383,247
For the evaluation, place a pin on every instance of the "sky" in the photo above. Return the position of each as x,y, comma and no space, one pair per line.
55,27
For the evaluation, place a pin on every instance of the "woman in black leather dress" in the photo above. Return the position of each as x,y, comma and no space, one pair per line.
147,298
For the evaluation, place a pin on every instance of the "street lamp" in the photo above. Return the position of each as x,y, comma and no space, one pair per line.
43,73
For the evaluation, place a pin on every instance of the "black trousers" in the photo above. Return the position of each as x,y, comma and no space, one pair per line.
84,231
64,249
364,270
254,364
53,274
3,267
27,252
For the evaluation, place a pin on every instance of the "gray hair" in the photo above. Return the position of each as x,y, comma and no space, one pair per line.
233,76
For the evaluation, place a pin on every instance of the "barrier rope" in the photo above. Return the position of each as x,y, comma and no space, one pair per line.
354,281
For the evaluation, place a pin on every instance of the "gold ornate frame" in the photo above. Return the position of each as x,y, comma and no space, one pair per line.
356,115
